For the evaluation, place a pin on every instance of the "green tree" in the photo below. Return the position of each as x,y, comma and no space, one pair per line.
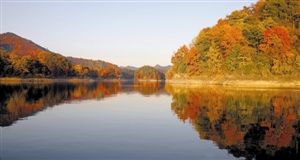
253,35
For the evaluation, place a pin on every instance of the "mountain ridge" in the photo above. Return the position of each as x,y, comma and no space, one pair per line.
21,57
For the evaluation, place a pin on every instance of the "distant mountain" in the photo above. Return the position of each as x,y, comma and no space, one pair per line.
129,67
23,58
162,69
127,72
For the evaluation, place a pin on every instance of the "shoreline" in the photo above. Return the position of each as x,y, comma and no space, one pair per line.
149,80
173,82
12,80
237,83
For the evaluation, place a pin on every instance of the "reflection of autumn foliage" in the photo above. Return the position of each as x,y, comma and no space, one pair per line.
147,88
284,109
247,123
22,101
95,91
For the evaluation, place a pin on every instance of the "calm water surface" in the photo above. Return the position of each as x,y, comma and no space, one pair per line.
147,121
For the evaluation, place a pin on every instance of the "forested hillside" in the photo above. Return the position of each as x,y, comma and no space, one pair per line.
94,68
20,57
257,42
148,73
23,58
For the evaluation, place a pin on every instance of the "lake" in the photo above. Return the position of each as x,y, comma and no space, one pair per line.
122,120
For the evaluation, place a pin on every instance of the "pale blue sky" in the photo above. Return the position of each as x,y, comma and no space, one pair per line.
124,33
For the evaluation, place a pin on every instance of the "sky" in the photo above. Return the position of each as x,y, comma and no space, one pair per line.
124,32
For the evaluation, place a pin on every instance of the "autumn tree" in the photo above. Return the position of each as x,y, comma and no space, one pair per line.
277,45
193,62
178,60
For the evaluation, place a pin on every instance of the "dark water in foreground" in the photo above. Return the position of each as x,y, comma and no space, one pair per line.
147,121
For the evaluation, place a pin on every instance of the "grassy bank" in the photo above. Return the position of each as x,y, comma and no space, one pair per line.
237,83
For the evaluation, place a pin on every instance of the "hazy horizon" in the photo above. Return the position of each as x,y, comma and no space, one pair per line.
121,32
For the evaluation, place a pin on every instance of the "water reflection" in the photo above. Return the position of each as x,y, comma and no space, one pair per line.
248,123
149,88
252,124
22,100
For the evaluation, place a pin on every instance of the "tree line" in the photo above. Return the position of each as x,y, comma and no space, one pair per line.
20,57
257,42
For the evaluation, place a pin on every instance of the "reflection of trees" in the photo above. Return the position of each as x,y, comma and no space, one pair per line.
24,100
251,124
148,88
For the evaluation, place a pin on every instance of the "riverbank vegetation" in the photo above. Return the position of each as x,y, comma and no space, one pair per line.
260,42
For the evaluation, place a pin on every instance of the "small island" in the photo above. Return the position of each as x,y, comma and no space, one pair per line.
148,73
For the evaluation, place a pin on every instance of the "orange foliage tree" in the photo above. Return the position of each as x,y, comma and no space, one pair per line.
277,44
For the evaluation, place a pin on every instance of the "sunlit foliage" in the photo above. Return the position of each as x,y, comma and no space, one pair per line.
22,58
257,42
